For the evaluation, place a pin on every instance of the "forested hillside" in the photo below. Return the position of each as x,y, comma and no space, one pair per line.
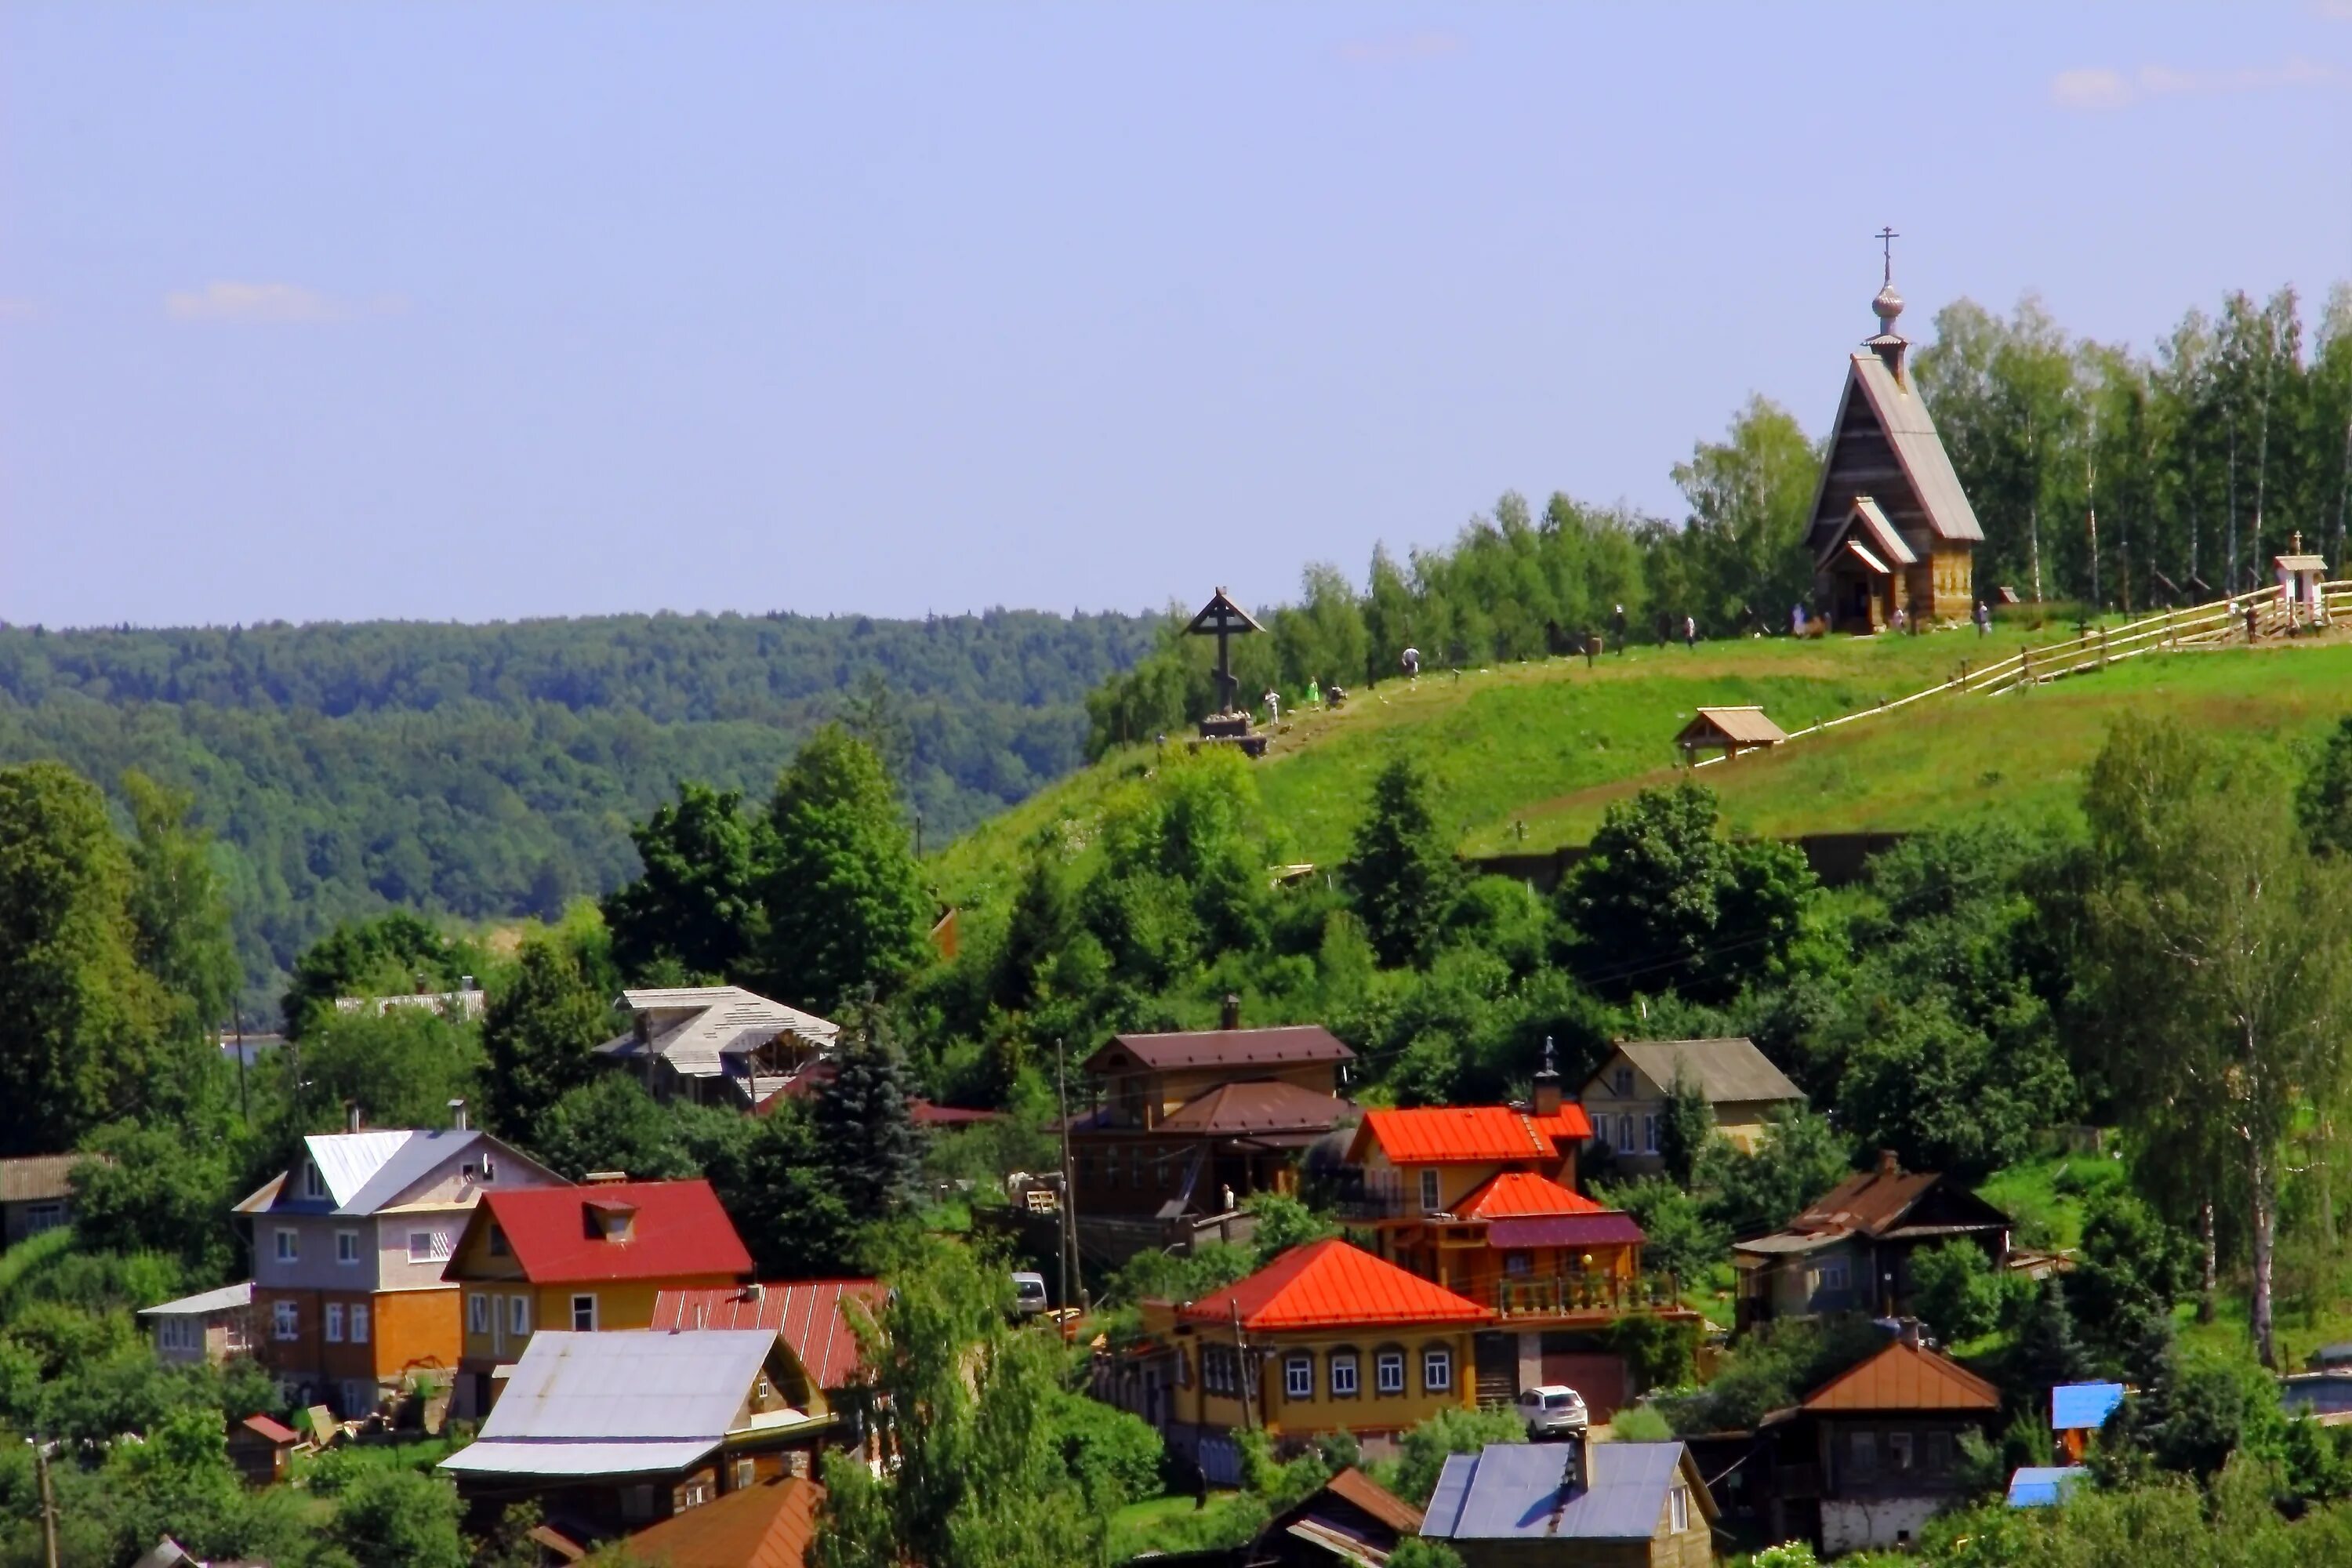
492,771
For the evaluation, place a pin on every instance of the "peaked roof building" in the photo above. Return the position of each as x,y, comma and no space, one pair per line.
813,1317
1494,1505
1331,1284
718,1045
610,1231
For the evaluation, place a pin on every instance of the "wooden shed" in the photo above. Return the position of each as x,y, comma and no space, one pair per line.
2300,578
1730,730
259,1447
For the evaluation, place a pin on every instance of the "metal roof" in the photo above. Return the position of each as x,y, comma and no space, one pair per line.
2075,1406
691,1027
1521,1194
348,1161
1331,1284
811,1317
366,1173
1289,1045
1452,1134
1268,1107
770,1524
1911,431
2040,1486
1726,1070
680,1232
1905,1377
225,1298
1610,1228
503,1456
1512,1491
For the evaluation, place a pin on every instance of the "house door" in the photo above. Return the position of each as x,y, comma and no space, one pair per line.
1497,1357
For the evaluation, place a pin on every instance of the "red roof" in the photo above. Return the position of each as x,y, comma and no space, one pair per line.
1453,1134
1518,1194
1905,1377
676,1230
1568,1124
1331,1284
813,1317
273,1430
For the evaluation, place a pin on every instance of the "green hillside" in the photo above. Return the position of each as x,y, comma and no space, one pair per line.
1527,757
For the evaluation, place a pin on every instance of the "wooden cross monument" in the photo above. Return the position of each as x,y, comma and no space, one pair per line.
1224,620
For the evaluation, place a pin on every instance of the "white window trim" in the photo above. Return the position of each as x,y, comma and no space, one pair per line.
1299,1376
335,1322
1678,1510
288,1244
519,1316
1650,1133
1343,1371
478,1313
435,1250
1436,1369
285,1319
1385,1363
360,1324
1429,1191
352,1237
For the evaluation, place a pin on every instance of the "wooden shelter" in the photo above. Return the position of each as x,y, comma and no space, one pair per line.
2300,577
1730,730
1891,527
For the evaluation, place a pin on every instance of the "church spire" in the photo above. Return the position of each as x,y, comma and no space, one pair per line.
1888,344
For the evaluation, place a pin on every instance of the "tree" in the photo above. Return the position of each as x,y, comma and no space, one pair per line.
981,1479
178,917
400,1067
538,1029
696,902
1800,1158
610,1123
399,1518
2131,1269
845,900
865,1127
1422,1449
1958,1293
1682,1240
803,1206
86,1023
2219,953
1751,497
1684,1126
1283,1223
2324,800
2046,1352
155,1189
1401,870
387,956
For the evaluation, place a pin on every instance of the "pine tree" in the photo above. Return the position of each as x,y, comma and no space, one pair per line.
864,1127
845,900
538,1031
1401,870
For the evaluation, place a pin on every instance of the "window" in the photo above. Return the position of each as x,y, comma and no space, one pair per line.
347,1247
1898,1452
1624,1083
1343,1375
745,1474
335,1322
314,1185
1298,1376
1678,1510
497,1242
1862,1455
428,1246
1939,1452
289,1246
359,1324
692,1494
1387,1372
1519,1265
172,1333
1625,1133
1428,1190
1221,1370
519,1315
285,1319
478,1313
40,1217
583,1315
1650,1135
1830,1276
1436,1369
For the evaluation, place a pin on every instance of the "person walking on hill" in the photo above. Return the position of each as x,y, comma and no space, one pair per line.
1690,631
1984,619
1617,627
1797,620
1411,663
1314,693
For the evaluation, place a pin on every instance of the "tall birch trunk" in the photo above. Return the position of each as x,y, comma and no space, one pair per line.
2208,1282
2264,1217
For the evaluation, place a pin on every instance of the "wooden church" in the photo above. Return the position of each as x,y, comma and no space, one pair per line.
1891,527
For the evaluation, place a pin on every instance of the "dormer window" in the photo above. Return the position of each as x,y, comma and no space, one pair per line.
497,1242
612,1221
314,1184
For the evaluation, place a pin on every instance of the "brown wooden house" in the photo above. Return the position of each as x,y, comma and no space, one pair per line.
1891,527
259,1447
1851,1252
1729,730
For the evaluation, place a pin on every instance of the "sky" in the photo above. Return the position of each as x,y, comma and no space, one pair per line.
445,312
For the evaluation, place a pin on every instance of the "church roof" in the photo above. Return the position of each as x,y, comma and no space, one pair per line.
1903,414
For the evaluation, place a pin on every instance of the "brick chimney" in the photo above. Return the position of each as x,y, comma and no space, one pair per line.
1888,1165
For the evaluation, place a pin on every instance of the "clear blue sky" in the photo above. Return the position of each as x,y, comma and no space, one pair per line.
316,311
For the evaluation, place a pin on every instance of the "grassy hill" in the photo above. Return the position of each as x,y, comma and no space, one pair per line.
1528,756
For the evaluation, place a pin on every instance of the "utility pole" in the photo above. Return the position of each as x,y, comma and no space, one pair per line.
1242,1367
48,1502
1069,1196
2091,494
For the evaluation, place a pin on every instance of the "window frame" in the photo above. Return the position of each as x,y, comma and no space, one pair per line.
284,1321
589,1298
1678,1503
1649,1132
1340,1362
477,1312
360,1324
1386,1360
1431,1196
519,1317
47,1214
314,1181
1299,1376
347,1249
287,1245
335,1322
435,1250
1439,1359
1902,1452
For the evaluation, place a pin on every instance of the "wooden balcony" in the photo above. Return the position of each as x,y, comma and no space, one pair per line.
1591,1298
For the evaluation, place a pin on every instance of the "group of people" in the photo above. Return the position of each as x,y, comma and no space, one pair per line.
1901,620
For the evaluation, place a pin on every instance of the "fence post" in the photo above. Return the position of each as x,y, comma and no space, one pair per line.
2025,666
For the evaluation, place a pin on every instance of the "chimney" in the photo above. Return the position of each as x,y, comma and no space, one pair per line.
754,1291
1232,1016
1909,1332
457,1113
1547,1098
352,1117
605,1178
1576,1474
467,983
1888,1165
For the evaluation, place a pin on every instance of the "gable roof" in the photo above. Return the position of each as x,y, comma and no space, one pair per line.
1569,1125
616,1403
2078,1406
262,1426
225,1298
2041,1486
695,1027
1452,1134
1517,1195
1610,1227
1350,1516
679,1230
33,1178
1330,1283
1355,1487
1291,1045
811,1317
1726,1070
1910,430
767,1525
1512,1491
365,1172
1269,1106
1748,726
1876,1202
1903,1377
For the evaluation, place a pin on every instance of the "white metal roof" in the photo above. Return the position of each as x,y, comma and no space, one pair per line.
629,1385
502,1457
220,1301
346,1161
690,1026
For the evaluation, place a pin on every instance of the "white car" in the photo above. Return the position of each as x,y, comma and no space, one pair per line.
1554,1410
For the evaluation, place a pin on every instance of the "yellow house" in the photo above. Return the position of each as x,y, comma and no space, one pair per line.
1327,1338
1626,1099
582,1259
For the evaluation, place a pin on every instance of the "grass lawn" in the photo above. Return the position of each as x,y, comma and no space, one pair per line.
1172,1523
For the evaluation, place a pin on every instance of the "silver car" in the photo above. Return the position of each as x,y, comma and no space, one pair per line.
1554,1410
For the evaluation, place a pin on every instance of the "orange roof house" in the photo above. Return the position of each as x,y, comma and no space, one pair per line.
584,1258
769,1524
1330,1283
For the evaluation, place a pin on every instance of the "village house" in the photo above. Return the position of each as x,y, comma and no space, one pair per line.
613,1431
208,1326
817,1319
768,1524
36,1194
466,1004
348,1248
717,1045
1891,528
1348,1522
1327,1338
2077,1411
581,1259
1609,1505
1626,1099
1851,1252
1866,1459
1193,1122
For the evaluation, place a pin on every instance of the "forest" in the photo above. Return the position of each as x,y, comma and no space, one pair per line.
492,772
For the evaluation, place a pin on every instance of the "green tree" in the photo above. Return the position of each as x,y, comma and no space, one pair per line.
398,1518
2047,1353
539,1030
1401,870
1750,497
864,1124
1424,1448
400,1068
696,901
1958,1293
1682,1239
790,1201
387,957
2324,799
86,1023
1800,1158
610,1123
179,918
1283,1223
1684,1127
845,900
155,1189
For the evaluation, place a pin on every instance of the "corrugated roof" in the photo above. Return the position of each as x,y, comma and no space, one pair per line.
225,1298
502,1457
1568,1126
366,1173
264,1426
1331,1284
769,1525
1288,1046
1911,431
1452,1134
1512,1491
32,1178
2041,1485
348,1161
1271,1106
1905,1377
680,1231
812,1316
628,1389
1516,1195
2077,1407
1745,725
1610,1228
1726,1070
692,1028
1352,1484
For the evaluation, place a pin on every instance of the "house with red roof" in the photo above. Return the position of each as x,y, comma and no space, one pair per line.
581,1258
1327,1338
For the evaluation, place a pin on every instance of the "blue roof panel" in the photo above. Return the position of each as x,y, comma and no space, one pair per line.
2082,1406
2040,1486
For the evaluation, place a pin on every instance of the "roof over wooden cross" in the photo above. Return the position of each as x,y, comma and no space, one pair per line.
1222,619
